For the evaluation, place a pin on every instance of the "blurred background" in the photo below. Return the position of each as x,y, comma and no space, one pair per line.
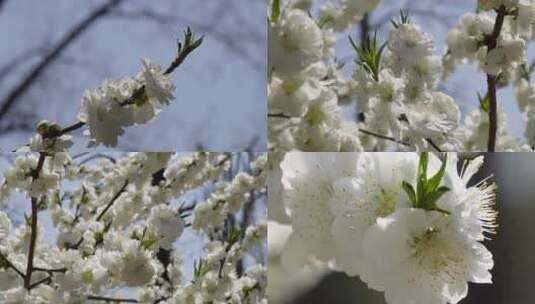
435,17
53,50
512,248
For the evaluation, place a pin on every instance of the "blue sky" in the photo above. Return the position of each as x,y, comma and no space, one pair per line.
221,89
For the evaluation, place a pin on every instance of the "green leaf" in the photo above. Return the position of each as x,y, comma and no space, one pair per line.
147,244
428,191
369,55
275,11
324,20
404,19
484,102
434,182
429,203
421,177
28,219
410,192
200,268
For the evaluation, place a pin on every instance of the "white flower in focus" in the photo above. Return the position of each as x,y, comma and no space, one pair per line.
417,256
307,181
357,202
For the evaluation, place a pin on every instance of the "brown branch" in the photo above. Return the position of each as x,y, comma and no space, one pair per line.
11,265
34,227
278,115
31,252
71,128
107,299
115,197
365,28
34,74
491,43
59,270
432,143
47,279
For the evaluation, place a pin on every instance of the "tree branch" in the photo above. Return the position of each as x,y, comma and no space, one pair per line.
33,239
432,143
107,299
491,42
47,279
59,270
384,137
115,197
30,78
364,28
34,227
11,265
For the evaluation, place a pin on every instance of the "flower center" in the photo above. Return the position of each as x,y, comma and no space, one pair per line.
437,256
315,115
387,204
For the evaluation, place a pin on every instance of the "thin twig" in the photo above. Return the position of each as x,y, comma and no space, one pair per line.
108,299
59,270
435,146
47,279
98,156
11,265
384,137
278,115
115,197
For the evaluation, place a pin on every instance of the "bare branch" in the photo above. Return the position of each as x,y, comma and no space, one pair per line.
491,42
54,53
392,139
108,299
34,227
47,279
11,265
115,197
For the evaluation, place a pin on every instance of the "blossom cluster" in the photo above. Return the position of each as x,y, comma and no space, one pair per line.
117,104
118,223
408,225
396,84
104,109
